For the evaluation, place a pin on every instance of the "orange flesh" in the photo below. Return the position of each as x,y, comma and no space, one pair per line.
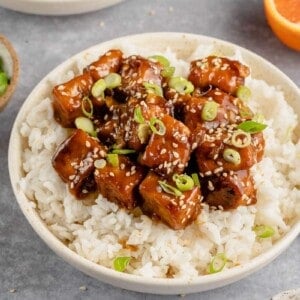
289,9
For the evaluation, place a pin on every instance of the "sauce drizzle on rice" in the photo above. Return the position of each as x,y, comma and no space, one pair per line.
151,130
95,228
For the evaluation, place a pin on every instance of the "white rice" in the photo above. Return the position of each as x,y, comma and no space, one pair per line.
94,232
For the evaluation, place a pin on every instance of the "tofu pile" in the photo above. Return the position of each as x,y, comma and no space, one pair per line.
150,127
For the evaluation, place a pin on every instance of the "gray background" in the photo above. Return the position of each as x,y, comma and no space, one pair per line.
26,263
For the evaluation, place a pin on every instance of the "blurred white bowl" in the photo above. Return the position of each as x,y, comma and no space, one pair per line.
56,7
183,45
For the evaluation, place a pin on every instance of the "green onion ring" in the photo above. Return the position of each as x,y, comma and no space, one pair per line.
217,263
85,124
112,80
183,182
121,263
138,116
264,231
152,88
98,88
181,85
243,93
123,151
232,156
209,111
161,126
241,139
196,179
169,189
87,101
113,159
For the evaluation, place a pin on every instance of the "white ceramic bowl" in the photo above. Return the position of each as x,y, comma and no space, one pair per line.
56,7
183,45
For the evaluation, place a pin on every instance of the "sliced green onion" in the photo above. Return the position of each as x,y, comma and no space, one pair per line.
85,124
217,263
264,231
183,182
138,116
168,72
3,83
209,111
246,112
86,102
232,156
169,189
244,93
112,80
113,159
100,163
152,88
161,126
121,263
123,151
98,88
241,139
196,179
181,85
252,126
161,59
143,132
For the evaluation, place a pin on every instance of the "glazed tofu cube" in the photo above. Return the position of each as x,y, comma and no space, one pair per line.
210,154
135,71
119,184
110,62
229,190
176,212
67,98
74,162
137,135
168,153
220,72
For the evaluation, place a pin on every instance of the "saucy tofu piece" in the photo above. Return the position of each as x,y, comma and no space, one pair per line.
219,72
230,110
135,71
176,212
168,153
229,190
110,62
67,98
212,154
119,184
74,162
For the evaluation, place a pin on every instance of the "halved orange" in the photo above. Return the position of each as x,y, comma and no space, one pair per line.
284,18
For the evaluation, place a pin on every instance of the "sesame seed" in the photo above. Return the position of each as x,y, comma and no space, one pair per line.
111,174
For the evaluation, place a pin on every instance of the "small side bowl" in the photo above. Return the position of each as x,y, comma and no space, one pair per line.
11,62
183,45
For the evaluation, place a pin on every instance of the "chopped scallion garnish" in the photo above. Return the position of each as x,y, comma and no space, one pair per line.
196,179
121,263
169,189
152,88
244,93
154,123
85,124
168,72
217,263
241,139
209,111
232,156
161,59
113,159
183,182
123,151
98,88
112,80
181,85
264,231
252,126
87,107
138,116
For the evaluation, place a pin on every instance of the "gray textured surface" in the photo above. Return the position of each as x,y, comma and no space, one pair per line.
26,263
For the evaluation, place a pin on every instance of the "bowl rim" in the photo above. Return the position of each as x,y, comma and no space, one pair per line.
124,280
